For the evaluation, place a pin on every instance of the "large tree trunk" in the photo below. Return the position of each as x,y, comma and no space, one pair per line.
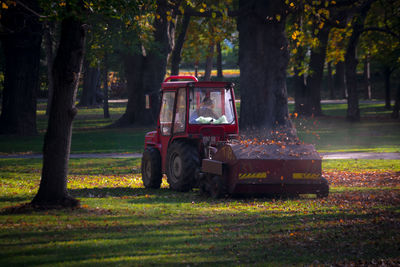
209,62
353,110
21,45
396,108
314,79
299,84
57,141
339,80
91,85
106,110
330,80
219,61
176,52
263,58
367,79
49,47
387,72
146,71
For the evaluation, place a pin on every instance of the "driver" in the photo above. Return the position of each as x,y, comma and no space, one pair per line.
206,108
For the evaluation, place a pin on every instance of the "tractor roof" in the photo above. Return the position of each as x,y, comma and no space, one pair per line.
193,82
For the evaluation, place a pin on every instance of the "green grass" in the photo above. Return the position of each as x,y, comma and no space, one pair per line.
355,165
121,223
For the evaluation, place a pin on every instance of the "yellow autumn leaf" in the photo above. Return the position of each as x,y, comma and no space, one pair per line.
278,17
294,51
4,5
291,4
202,10
213,15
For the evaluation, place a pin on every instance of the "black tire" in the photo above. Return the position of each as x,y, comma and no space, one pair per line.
323,192
151,168
217,187
182,162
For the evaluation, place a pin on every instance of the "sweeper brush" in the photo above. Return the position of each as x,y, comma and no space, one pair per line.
264,169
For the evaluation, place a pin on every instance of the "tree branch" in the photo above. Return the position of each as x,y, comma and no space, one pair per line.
384,30
30,9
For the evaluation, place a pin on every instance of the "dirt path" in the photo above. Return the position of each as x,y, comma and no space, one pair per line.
331,155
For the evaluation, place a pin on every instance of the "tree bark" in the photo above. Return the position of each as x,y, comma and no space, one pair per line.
263,59
220,75
57,141
367,79
176,52
339,80
209,62
91,85
299,83
396,108
330,81
314,79
353,110
387,72
146,70
21,44
48,35
105,87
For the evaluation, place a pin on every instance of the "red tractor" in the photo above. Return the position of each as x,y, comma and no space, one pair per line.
194,146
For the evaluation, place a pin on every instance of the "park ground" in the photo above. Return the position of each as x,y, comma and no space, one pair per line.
121,223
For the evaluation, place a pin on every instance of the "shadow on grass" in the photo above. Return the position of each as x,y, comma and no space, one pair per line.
224,238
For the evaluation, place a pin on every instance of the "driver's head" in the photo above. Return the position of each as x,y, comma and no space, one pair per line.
208,102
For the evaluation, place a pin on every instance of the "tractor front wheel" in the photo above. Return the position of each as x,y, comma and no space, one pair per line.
151,168
182,162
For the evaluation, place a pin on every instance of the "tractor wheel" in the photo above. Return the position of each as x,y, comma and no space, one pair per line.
182,162
324,189
151,168
217,187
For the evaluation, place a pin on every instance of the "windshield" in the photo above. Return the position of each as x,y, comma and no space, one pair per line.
211,106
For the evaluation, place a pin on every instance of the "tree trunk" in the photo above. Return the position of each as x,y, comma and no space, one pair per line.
339,80
314,79
220,75
91,84
21,44
209,62
263,59
105,88
353,110
367,79
330,81
299,83
387,72
57,141
176,52
49,44
145,72
396,108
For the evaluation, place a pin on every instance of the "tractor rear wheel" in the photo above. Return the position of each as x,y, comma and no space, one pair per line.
182,162
151,168
324,189
217,187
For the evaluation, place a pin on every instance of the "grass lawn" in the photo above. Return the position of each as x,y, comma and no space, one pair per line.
121,223
375,133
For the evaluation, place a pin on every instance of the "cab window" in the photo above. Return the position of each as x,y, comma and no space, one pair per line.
166,113
180,114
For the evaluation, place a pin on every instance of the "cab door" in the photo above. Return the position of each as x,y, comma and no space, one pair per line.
166,122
